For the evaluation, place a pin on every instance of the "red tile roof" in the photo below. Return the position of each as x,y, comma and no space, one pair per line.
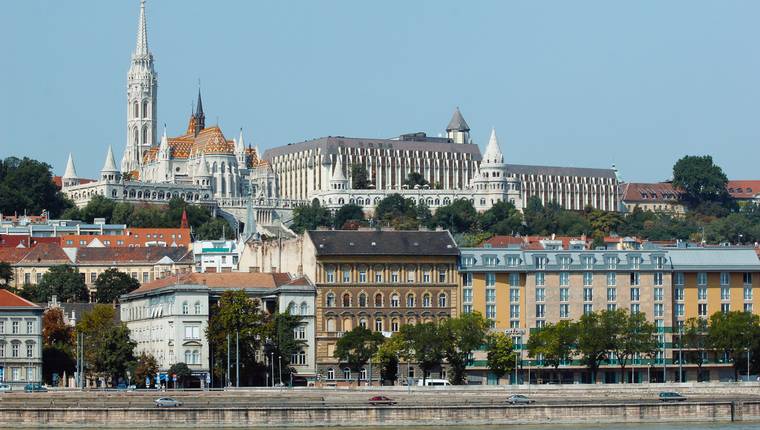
656,192
147,255
49,253
10,300
222,280
13,255
24,240
743,189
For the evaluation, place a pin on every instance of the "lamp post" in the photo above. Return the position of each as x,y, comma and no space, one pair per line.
680,353
271,363
279,365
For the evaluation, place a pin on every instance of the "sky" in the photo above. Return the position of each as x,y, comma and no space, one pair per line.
582,83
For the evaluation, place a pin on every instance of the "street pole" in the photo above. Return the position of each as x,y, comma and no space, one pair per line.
516,365
271,363
748,356
237,359
680,354
664,362
228,379
279,365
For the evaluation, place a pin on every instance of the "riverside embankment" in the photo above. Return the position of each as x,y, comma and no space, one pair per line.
718,403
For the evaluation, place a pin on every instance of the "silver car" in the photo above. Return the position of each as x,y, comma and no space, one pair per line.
519,399
167,402
5,388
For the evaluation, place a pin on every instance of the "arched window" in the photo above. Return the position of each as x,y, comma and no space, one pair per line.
363,374
197,308
378,324
378,300
363,323
145,109
394,325
188,357
394,300
362,300
346,300
330,374
347,374
145,136
330,300
196,357
410,300
292,309
442,300
347,326
136,135
304,308
330,325
185,308
426,300
135,110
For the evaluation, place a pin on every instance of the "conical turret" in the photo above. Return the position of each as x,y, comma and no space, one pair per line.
493,153
70,177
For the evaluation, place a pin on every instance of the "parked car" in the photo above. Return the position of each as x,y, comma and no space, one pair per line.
381,400
5,388
671,396
167,402
34,388
519,399
433,383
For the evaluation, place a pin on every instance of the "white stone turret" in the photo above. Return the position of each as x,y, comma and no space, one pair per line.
493,153
109,172
70,177
338,180
142,87
202,175
164,152
492,183
240,151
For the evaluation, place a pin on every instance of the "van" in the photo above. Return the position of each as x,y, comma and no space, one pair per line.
433,383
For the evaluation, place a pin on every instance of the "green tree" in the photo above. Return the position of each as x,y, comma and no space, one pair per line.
502,218
122,213
98,207
388,356
63,281
108,348
596,336
237,314
93,324
415,179
112,284
280,329
635,335
603,221
356,347
213,229
181,371
424,216
57,345
359,177
732,333
346,213
146,367
501,355
554,343
6,274
26,185
702,181
425,344
397,211
310,217
694,339
148,216
458,217
460,337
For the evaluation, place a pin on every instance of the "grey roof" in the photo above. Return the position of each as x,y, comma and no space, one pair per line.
714,259
375,242
457,122
331,145
523,169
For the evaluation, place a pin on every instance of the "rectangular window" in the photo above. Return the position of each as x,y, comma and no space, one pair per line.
635,294
747,293
30,373
330,276
27,278
611,262
611,306
540,310
467,309
678,293
658,309
747,278
410,276
426,277
540,263
702,279
658,278
748,307
378,277
588,262
145,277
702,309
564,262
467,279
635,308
678,278
14,327
514,295
514,279
564,310
564,279
635,263
588,308
38,277
490,295
192,332
362,276
540,294
564,294
679,309
490,261
467,295
93,277
611,279
29,350
588,294
394,277
29,327
702,292
468,261
725,293
346,276
441,275
658,294
635,278
491,312
539,278
611,294
514,311
725,278
540,323
512,261
588,279
725,307
490,279
14,350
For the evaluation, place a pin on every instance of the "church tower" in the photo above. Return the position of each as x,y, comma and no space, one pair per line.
142,86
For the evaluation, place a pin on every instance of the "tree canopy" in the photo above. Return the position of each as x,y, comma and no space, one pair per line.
26,186
460,337
112,283
356,347
359,177
701,181
309,217
63,281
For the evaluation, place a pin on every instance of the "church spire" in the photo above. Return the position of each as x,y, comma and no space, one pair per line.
200,118
141,48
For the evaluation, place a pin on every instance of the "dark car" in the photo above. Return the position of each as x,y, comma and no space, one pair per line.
671,396
34,388
167,402
519,399
381,400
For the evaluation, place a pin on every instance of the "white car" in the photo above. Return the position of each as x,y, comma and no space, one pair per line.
5,388
433,383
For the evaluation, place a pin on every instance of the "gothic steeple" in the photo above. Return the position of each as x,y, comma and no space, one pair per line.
142,88
200,118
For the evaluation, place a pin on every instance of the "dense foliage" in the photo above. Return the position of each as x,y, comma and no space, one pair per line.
26,185
63,281
108,349
112,283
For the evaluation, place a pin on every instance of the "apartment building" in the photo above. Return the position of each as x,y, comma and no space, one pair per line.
20,341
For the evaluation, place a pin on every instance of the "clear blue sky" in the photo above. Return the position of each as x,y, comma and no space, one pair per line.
572,83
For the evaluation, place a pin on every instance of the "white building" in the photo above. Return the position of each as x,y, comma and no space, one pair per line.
20,340
216,256
168,317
